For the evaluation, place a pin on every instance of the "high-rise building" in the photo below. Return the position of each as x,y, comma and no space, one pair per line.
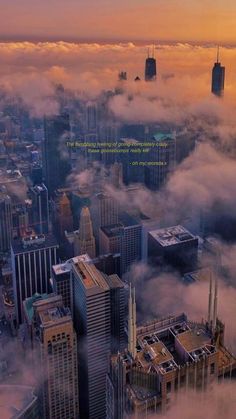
55,163
61,278
163,358
32,260
218,77
124,238
91,119
5,221
108,210
55,356
131,235
98,308
116,173
173,246
122,76
40,209
150,68
163,155
63,218
84,240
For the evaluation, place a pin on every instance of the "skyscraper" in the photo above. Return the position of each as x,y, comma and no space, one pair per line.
40,209
84,240
150,68
64,217
55,163
108,210
164,154
5,220
32,260
98,309
55,355
218,77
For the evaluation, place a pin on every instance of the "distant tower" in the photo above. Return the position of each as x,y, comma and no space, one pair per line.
85,241
132,334
150,67
122,76
218,77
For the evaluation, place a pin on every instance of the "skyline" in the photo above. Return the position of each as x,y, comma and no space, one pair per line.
186,20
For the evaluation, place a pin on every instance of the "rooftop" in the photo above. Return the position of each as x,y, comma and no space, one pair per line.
32,243
162,137
112,230
90,275
14,399
192,340
172,235
28,304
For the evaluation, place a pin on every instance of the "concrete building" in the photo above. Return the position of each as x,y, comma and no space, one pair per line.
84,241
164,357
61,278
55,356
32,259
124,238
173,246
98,307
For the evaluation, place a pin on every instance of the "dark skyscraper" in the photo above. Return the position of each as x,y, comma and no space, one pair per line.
55,166
150,68
218,78
5,220
40,210
98,303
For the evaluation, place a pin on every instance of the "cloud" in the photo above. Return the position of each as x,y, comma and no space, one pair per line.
91,68
217,402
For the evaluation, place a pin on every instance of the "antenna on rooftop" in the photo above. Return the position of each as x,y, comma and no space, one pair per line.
218,54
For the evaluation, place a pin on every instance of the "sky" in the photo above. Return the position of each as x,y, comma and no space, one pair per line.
181,20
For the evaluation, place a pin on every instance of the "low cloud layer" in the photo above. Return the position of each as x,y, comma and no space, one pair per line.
182,89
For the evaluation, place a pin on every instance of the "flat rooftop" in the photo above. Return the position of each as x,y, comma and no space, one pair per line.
192,340
162,137
14,399
156,353
112,230
53,315
172,235
18,246
65,267
90,275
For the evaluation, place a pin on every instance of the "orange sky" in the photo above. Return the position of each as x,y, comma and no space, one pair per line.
193,20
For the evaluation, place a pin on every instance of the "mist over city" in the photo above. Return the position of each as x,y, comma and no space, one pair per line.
117,209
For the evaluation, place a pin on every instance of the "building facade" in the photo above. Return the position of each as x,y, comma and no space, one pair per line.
32,260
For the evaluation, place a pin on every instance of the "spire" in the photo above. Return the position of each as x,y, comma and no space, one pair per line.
218,54
215,303
132,334
210,301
